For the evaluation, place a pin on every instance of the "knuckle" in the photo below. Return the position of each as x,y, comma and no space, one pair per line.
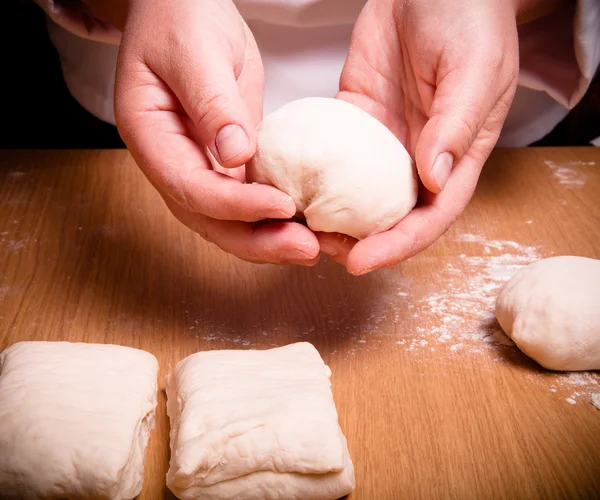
206,111
228,202
203,231
254,251
465,129
468,126
183,197
124,117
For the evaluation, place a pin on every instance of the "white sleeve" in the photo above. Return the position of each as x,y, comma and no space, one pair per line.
559,56
77,18
560,53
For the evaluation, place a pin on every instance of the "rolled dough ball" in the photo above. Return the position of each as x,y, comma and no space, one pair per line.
551,310
74,420
256,425
345,171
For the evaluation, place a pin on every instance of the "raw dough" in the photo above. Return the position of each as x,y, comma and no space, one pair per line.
346,172
551,310
256,425
74,420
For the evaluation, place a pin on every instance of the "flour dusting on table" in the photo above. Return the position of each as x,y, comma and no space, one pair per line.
452,314
565,173
13,244
462,312
573,387
463,303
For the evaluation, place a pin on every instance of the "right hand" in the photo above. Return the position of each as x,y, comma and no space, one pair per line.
190,80
441,75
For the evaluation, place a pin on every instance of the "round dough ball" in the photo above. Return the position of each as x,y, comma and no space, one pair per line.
551,310
345,171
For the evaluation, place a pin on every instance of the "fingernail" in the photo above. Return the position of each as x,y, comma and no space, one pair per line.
329,249
291,207
304,263
442,168
363,271
231,141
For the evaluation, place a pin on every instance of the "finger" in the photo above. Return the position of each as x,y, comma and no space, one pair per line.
463,101
303,263
238,173
274,242
204,77
271,242
159,139
336,246
420,228
220,196
250,79
413,234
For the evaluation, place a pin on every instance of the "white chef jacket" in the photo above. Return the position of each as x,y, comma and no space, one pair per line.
303,44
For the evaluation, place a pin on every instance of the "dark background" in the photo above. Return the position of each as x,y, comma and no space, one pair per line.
39,112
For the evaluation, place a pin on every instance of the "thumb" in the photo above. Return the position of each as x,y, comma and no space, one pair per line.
467,102
204,77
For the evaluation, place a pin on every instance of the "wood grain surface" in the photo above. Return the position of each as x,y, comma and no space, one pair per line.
433,404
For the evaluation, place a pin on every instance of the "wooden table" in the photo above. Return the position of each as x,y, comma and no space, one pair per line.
433,404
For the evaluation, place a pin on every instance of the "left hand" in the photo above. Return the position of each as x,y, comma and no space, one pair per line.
189,89
441,76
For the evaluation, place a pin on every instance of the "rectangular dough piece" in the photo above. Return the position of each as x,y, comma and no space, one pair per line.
75,420
256,425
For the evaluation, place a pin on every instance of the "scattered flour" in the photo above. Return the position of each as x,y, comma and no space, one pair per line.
453,315
16,174
108,231
462,310
459,315
565,173
595,399
574,384
13,245
8,290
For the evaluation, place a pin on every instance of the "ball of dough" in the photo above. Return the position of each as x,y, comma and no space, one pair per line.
345,171
551,310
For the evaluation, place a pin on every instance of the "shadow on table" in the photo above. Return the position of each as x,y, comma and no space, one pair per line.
509,352
115,252
496,180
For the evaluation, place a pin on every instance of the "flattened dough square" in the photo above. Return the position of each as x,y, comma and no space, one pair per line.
75,420
256,425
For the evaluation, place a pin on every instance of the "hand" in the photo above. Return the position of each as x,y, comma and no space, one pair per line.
189,87
441,75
